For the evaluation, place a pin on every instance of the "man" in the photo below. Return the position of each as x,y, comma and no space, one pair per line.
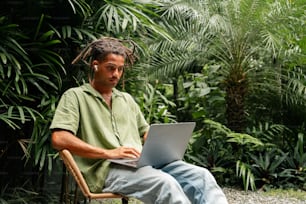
97,122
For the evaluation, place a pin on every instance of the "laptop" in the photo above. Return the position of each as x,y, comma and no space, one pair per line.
165,143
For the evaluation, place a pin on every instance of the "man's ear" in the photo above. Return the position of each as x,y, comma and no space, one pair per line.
94,65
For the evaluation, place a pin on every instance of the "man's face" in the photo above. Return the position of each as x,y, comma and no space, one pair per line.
109,71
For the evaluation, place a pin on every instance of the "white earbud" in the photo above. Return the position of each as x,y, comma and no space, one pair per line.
96,67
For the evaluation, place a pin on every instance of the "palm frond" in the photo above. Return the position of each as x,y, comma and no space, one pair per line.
80,6
170,64
296,87
243,170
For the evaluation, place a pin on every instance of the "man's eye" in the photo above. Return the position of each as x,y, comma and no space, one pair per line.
111,68
120,69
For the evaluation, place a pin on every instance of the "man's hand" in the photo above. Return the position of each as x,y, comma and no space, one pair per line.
62,139
123,152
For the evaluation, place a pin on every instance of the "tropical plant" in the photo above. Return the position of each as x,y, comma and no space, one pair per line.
27,65
35,53
212,152
195,92
274,134
295,165
243,170
154,104
13,84
237,37
222,151
117,17
298,154
259,68
220,60
266,167
252,41
242,145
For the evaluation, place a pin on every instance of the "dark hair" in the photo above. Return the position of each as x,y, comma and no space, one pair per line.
99,49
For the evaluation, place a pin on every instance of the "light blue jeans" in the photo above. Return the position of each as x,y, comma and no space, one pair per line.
177,182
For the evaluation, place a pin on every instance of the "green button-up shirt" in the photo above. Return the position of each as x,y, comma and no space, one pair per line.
83,111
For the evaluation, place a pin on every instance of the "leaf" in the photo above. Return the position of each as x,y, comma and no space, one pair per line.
244,171
21,114
23,144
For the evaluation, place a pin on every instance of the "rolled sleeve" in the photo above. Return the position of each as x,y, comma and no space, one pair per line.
67,113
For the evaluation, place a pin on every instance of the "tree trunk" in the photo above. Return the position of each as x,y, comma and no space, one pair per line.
236,88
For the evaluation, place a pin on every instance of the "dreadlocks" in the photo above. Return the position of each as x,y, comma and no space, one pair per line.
99,49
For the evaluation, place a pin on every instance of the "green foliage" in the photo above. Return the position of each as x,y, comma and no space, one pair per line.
196,91
268,132
34,52
26,70
40,148
205,55
244,171
213,150
13,84
116,16
295,165
80,7
246,143
244,139
24,195
266,167
213,154
298,154
296,87
258,66
155,105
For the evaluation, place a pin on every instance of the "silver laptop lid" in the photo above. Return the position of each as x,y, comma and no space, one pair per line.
166,142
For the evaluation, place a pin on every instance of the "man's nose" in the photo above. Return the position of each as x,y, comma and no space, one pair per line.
116,73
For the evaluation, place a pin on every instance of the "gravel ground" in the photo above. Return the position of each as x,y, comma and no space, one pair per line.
249,197
235,196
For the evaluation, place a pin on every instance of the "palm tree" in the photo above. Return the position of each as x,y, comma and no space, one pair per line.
260,66
238,37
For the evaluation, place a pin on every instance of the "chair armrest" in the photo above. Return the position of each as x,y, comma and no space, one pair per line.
74,171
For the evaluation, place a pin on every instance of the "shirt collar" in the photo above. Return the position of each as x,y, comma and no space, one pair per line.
90,90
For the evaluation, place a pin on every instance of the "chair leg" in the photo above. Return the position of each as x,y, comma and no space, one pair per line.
64,186
76,194
125,201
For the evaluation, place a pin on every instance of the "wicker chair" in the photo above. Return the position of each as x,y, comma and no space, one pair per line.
74,170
